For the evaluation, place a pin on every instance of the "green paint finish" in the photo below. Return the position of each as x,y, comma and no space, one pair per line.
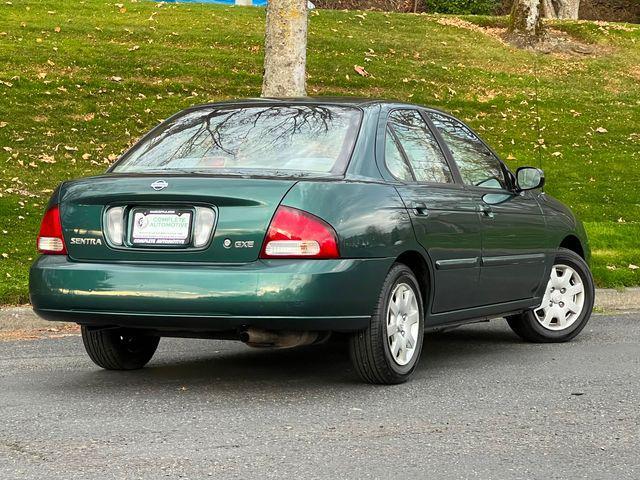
370,218
271,288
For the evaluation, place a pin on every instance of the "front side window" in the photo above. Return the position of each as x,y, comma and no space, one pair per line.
419,146
267,140
477,165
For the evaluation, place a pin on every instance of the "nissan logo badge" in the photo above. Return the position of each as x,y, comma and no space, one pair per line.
159,185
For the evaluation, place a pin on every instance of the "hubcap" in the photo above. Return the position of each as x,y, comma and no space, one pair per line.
403,323
563,299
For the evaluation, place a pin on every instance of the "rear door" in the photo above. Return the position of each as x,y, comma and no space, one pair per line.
513,227
443,212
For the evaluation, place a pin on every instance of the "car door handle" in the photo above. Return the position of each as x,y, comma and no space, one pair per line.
420,208
486,211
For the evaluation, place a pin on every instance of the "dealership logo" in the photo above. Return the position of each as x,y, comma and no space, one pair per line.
159,185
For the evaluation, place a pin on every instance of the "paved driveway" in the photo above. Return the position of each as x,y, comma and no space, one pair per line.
482,405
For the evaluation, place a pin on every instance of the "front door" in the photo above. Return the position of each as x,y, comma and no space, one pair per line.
444,213
513,236
513,227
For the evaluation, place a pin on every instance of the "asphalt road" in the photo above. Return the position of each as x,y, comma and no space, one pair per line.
482,405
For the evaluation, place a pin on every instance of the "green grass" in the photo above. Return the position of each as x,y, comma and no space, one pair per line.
60,100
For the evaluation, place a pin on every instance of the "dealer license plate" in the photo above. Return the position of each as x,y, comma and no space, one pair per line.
161,227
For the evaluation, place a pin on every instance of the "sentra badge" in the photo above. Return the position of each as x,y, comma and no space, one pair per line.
85,241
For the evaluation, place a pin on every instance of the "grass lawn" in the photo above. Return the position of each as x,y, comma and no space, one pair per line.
81,80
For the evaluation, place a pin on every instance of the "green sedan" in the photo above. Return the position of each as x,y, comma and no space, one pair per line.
280,222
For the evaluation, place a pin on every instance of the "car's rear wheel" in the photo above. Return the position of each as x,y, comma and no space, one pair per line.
566,306
388,351
118,349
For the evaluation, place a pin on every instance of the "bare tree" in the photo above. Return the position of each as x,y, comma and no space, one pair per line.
285,52
526,19
565,9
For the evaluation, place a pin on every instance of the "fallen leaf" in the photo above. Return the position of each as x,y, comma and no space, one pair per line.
360,71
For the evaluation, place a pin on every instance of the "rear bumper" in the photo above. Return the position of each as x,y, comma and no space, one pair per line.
276,294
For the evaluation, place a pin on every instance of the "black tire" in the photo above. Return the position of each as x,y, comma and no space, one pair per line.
118,349
526,325
369,349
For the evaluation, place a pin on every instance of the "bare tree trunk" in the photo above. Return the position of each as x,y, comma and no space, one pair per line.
564,9
526,19
285,49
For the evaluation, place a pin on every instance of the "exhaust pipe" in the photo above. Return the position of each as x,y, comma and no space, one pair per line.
258,338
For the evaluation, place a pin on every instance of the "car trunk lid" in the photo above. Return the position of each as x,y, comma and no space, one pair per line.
241,210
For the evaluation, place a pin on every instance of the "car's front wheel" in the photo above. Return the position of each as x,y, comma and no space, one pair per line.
566,306
388,351
118,349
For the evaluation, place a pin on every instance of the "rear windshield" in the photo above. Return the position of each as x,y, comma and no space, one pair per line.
269,140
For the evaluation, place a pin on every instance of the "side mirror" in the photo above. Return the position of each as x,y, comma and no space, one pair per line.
529,178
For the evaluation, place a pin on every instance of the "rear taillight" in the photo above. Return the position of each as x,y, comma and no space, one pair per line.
50,240
294,233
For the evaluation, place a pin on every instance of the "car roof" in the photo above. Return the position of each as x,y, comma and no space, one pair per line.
346,101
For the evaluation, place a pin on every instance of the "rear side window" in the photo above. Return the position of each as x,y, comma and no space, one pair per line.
267,140
477,165
396,163
419,147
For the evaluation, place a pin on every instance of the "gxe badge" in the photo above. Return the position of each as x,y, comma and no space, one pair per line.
159,185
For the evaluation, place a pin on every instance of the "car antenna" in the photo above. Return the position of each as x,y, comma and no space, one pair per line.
536,99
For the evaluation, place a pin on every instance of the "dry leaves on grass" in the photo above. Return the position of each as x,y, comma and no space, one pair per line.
554,42
493,32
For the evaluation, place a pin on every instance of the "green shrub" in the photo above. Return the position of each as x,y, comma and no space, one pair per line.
463,7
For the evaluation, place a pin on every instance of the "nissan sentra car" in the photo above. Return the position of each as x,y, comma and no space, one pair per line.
277,222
